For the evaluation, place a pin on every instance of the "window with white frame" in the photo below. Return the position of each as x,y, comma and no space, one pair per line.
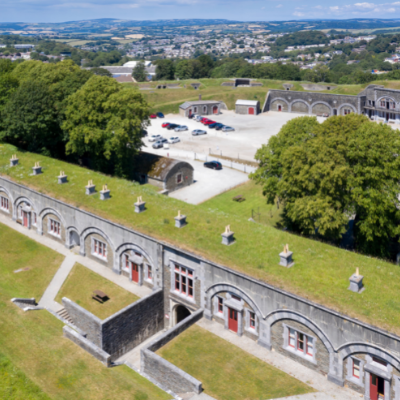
205,109
183,280
149,273
252,320
99,249
34,218
4,204
300,342
355,370
195,110
54,227
346,111
383,103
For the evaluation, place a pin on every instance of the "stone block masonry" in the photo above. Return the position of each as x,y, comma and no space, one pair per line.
162,371
124,330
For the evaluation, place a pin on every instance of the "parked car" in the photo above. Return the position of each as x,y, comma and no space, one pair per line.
197,132
204,120
154,138
159,143
215,125
160,115
227,129
165,124
209,122
192,116
174,139
219,127
213,165
172,126
153,116
181,128
198,118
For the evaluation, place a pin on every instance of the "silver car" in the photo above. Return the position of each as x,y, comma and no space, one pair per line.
154,138
174,139
181,128
227,129
197,132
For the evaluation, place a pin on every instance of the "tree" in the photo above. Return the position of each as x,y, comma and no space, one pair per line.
105,123
29,120
100,71
8,85
184,69
139,72
327,173
165,70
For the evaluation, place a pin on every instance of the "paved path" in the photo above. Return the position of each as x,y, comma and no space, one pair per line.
327,390
61,275
50,293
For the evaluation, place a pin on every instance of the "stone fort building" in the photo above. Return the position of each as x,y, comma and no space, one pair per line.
186,287
375,101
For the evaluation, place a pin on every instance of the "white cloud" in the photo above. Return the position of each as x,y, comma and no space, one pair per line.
334,8
365,5
298,14
279,6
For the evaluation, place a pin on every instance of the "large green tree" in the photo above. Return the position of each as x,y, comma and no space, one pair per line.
165,70
325,174
104,123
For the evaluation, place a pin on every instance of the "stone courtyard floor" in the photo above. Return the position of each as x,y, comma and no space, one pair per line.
325,390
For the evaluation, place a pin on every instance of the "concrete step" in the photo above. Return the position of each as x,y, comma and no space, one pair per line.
64,314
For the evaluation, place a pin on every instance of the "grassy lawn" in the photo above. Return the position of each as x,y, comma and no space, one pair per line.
14,384
33,341
226,371
253,205
81,283
321,271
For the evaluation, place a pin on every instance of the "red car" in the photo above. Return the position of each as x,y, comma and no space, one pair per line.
165,124
209,122
153,116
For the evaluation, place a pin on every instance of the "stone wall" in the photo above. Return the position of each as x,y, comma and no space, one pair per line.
132,325
84,320
87,345
10,204
171,182
161,370
109,261
46,231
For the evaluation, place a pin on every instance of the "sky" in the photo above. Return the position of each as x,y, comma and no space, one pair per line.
239,10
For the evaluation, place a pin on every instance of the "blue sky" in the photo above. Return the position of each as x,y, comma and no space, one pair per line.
253,10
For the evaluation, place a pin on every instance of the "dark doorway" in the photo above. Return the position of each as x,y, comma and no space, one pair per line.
334,111
377,388
74,239
181,313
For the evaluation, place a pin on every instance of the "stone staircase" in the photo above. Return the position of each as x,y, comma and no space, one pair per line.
64,315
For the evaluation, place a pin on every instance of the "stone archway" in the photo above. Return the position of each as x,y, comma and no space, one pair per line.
181,313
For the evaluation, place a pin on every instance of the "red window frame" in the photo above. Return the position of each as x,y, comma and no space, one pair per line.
127,262
34,218
55,227
4,203
302,342
100,248
383,103
149,273
356,368
220,305
183,281
252,320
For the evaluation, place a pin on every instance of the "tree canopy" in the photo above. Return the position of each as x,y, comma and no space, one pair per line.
325,174
139,72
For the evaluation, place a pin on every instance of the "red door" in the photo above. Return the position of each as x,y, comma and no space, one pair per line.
233,320
190,112
135,272
376,388
279,108
251,110
215,110
25,218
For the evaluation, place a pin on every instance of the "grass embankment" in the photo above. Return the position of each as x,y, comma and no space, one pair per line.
81,283
226,371
15,385
321,271
33,342
253,205
168,100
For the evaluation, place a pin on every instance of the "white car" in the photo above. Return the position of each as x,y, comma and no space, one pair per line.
181,128
198,118
197,132
174,139
227,129
154,138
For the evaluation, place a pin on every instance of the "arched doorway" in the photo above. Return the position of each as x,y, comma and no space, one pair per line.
215,110
279,107
74,239
181,312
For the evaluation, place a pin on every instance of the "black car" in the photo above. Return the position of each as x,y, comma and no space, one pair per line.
172,126
213,165
160,115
